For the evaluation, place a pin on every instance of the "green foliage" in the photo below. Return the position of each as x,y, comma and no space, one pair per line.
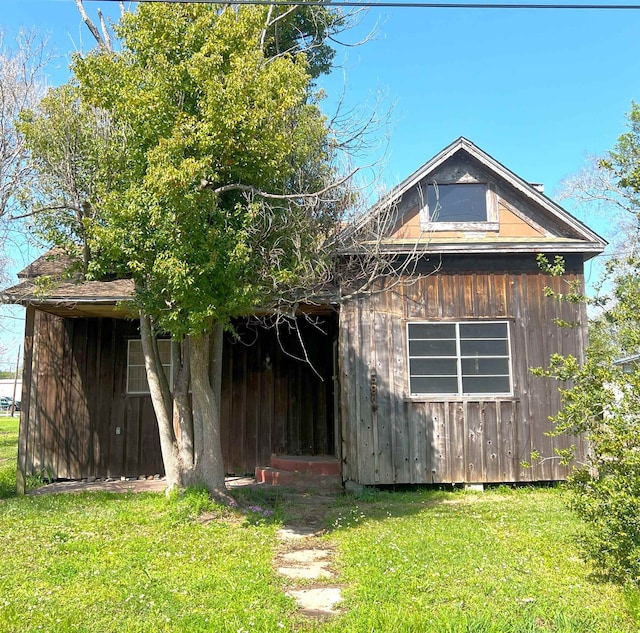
557,269
305,28
202,190
601,398
623,162
78,155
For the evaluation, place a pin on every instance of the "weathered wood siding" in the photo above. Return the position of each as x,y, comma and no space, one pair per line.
78,421
389,437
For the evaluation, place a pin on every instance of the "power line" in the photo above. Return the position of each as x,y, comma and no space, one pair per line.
409,5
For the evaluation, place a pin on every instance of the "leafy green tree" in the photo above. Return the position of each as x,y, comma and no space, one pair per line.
78,154
601,397
213,186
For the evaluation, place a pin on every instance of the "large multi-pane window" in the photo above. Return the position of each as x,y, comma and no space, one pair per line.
136,372
463,358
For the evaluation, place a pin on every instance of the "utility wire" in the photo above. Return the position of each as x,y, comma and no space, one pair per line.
409,5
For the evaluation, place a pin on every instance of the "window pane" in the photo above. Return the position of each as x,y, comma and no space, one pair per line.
136,372
478,347
457,203
136,357
485,384
441,355
137,380
437,367
485,366
432,330
164,348
432,348
483,330
434,385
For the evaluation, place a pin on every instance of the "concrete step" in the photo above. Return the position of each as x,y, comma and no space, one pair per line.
318,465
302,481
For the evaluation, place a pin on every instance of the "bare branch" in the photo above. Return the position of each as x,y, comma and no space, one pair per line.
263,35
62,207
90,25
105,30
250,189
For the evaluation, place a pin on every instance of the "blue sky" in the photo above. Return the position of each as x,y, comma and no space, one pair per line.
538,90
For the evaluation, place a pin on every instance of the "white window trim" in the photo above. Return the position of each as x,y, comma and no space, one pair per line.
492,223
129,365
460,393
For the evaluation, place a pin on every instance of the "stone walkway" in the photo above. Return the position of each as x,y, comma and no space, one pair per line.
304,557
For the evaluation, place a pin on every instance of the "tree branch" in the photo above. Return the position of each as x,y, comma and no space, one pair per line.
91,26
205,184
62,207
105,30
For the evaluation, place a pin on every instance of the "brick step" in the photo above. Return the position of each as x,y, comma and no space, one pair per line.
298,480
318,465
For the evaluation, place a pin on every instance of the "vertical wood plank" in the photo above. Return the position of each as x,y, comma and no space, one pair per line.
104,400
226,421
265,441
382,405
253,396
401,419
132,436
457,431
28,387
80,447
121,335
280,404
473,446
506,447
491,442
438,416
367,457
348,411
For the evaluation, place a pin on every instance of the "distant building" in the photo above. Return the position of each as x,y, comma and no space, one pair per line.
7,385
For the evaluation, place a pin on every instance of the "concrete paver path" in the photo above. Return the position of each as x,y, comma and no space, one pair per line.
298,562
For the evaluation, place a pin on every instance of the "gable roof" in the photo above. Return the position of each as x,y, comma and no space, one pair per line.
64,294
566,233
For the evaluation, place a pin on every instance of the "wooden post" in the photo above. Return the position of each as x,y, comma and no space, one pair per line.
28,389
15,384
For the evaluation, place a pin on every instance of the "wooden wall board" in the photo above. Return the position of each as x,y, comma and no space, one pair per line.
82,423
471,440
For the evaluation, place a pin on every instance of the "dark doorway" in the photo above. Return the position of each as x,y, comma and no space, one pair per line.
278,390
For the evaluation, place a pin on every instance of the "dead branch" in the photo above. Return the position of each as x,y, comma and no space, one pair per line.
254,191
62,207
105,30
91,26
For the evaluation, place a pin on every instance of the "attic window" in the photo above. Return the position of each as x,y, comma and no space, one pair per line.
459,206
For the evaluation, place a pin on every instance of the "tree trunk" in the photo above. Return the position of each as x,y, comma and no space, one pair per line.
205,355
182,414
161,400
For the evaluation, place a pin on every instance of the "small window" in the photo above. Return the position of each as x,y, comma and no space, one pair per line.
136,372
465,358
459,206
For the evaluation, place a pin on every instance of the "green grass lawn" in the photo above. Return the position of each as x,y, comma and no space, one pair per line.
8,454
500,561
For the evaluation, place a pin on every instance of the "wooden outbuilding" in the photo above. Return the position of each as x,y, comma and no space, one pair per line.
424,381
